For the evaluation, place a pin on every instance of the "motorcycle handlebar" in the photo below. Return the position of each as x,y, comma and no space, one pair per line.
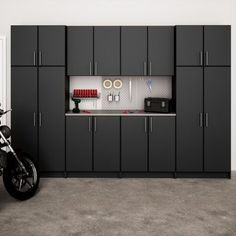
4,112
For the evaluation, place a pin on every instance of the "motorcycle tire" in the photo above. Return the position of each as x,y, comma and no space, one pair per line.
17,184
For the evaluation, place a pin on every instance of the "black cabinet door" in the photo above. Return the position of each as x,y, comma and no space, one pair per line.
133,50
51,118
106,50
161,50
80,50
162,143
217,44
79,143
23,45
189,45
24,109
189,98
107,144
134,144
51,46
217,119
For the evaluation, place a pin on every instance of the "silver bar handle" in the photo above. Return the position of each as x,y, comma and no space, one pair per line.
145,68
34,58
145,124
200,119
34,119
95,124
40,58
90,68
89,124
207,58
150,124
95,68
150,68
40,119
201,58
206,120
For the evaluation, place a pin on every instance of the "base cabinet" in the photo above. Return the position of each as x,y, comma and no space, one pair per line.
93,144
79,144
134,144
162,144
106,144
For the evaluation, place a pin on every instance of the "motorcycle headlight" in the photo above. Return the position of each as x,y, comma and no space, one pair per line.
6,131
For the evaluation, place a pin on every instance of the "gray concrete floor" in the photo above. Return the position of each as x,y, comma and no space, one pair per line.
142,207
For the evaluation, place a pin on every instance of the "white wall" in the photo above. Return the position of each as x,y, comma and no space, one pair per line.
123,12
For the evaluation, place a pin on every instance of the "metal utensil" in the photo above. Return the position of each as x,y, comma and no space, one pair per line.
130,90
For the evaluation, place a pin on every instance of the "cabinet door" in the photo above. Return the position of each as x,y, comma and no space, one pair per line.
79,143
217,44
79,50
52,118
52,45
162,144
161,50
107,144
134,144
217,124
23,45
106,50
24,109
189,98
133,50
189,45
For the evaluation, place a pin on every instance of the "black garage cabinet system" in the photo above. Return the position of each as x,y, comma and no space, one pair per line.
192,140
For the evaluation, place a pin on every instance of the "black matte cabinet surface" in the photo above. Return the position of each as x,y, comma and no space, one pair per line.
133,50
51,46
24,109
162,144
217,44
51,119
189,45
189,108
80,50
79,144
106,144
23,45
161,50
134,144
106,50
217,119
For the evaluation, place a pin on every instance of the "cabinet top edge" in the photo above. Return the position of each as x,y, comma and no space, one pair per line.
117,113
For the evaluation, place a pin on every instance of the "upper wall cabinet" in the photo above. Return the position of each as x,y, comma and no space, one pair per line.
161,50
189,45
217,41
106,50
203,45
80,50
23,45
51,45
133,50
25,41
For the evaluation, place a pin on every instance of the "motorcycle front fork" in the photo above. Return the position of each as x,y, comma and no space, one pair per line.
14,153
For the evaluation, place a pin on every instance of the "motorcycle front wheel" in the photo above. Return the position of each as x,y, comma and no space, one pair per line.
17,183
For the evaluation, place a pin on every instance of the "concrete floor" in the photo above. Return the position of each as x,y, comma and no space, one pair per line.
142,207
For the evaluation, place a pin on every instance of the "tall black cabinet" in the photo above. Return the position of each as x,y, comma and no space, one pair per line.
203,98
38,94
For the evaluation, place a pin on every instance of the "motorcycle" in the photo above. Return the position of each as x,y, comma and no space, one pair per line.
18,169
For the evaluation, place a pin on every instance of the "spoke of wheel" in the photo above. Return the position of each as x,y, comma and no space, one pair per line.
20,184
26,180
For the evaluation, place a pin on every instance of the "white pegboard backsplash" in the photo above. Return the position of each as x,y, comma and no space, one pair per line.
161,87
